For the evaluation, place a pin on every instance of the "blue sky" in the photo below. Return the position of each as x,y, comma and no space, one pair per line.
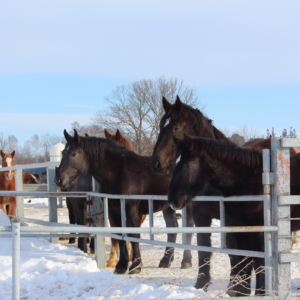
59,59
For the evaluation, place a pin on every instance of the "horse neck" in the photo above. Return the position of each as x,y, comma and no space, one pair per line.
234,178
106,169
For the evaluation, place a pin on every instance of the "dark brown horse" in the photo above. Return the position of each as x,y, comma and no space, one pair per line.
7,183
206,165
113,255
119,171
180,119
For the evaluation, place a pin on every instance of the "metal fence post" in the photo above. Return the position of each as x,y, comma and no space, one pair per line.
52,202
151,219
98,221
16,261
184,224
280,165
19,188
267,181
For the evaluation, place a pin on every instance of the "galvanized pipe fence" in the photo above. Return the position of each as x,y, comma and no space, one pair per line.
276,198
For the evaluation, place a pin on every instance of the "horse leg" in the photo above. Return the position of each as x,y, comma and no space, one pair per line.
259,264
134,220
72,217
122,265
241,267
113,255
171,221
187,256
203,239
80,219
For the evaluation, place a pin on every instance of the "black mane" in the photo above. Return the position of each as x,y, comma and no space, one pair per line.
96,147
229,151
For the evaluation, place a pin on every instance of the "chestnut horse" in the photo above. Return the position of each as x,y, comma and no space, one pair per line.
7,183
29,178
206,165
119,171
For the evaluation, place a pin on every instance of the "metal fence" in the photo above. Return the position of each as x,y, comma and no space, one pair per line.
276,198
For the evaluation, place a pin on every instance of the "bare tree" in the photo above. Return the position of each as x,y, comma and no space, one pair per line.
35,140
12,143
3,142
136,109
91,130
48,141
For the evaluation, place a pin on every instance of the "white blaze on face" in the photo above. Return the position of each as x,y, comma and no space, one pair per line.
167,122
8,162
178,160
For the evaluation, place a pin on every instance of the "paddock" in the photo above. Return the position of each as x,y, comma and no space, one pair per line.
277,238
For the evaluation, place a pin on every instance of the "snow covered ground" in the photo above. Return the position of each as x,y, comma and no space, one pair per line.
61,271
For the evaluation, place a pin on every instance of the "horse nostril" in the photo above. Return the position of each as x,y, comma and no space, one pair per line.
157,165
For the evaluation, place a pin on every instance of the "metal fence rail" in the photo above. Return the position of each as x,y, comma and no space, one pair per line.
276,198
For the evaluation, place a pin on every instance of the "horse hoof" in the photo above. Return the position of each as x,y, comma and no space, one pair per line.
199,285
135,271
120,271
186,265
164,265
92,251
72,241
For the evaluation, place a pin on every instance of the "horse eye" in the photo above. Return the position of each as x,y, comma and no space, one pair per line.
187,166
73,154
176,128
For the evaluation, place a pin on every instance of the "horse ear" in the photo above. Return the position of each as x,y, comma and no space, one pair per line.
13,153
2,153
67,136
77,138
107,134
177,104
118,134
166,103
86,135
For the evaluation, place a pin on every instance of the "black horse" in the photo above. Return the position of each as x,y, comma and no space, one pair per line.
206,165
180,119
77,208
119,171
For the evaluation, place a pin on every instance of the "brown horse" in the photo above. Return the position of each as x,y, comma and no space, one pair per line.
120,171
29,178
206,165
113,255
7,183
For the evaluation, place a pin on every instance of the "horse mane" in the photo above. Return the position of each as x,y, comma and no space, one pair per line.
229,151
96,147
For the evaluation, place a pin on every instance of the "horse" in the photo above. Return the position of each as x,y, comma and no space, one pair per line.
119,171
113,256
180,119
7,183
205,166
29,178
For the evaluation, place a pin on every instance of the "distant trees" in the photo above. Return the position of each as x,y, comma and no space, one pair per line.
136,109
36,149
292,133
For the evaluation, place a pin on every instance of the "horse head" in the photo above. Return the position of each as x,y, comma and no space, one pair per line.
179,119
190,174
8,161
74,161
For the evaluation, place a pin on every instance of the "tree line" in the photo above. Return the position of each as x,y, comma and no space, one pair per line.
135,109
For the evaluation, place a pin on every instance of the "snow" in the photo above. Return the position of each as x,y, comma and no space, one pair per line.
61,271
